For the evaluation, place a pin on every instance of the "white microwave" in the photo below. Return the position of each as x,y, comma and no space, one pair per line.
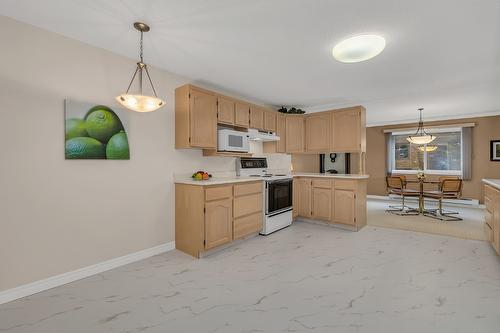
231,140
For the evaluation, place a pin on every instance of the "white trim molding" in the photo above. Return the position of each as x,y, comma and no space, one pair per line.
61,279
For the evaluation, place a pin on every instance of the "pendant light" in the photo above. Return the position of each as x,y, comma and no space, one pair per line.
427,148
139,102
421,137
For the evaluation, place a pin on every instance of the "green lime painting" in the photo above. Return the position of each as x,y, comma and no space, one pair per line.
94,131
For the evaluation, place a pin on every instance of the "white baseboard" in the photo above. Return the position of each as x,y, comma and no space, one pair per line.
58,280
456,202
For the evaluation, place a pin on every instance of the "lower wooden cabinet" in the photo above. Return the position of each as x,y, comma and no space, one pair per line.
218,223
337,201
492,216
210,216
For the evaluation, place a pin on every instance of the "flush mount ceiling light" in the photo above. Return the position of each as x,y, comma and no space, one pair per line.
358,48
421,137
139,102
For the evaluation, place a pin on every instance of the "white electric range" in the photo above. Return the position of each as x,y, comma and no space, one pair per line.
278,192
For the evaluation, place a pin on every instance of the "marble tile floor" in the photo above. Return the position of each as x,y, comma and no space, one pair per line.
305,278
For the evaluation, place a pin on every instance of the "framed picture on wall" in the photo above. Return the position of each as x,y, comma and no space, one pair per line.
495,150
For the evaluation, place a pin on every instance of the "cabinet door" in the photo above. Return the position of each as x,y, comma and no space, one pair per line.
256,117
225,111
203,120
294,134
305,188
218,223
281,132
346,133
344,207
270,121
322,202
242,114
318,133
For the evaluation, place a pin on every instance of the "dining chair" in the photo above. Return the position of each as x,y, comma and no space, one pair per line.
396,185
449,188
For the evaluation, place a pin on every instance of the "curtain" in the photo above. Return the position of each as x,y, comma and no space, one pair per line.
466,153
388,152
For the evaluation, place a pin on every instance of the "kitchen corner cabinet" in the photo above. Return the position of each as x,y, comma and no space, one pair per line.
256,117
334,201
195,118
317,129
270,120
207,217
348,130
492,216
294,134
225,111
242,114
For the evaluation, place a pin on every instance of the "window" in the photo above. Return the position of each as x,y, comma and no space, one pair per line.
443,155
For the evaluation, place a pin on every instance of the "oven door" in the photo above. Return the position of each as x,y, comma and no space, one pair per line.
278,196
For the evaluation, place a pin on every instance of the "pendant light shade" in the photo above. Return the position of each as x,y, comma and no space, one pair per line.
139,102
427,148
421,137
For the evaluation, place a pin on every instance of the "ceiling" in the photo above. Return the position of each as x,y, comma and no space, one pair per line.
442,55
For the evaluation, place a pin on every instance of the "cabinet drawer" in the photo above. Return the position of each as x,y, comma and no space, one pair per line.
490,192
245,189
343,184
488,232
322,183
247,205
247,225
218,192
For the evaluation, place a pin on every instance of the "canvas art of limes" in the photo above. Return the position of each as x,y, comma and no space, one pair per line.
94,132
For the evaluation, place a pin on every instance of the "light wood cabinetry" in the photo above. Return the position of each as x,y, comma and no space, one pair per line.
225,111
195,118
336,201
295,197
278,146
294,134
492,216
256,117
317,129
348,130
210,216
270,118
242,114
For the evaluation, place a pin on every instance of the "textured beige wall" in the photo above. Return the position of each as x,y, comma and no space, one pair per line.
486,129
58,215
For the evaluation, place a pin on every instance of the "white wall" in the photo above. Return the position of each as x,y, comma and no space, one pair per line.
58,215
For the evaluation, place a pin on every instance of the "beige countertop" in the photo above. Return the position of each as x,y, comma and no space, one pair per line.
235,179
493,182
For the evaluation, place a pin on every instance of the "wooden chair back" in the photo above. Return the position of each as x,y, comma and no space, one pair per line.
451,186
394,182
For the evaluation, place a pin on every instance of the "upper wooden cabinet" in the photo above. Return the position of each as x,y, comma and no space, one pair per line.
225,111
256,117
195,118
318,132
281,132
270,120
294,134
242,114
348,130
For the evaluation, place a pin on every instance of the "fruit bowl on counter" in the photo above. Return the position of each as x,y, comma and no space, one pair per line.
201,175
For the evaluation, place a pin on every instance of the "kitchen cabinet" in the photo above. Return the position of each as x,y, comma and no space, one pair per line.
242,114
208,216
218,223
195,118
348,130
256,117
294,134
270,121
321,199
317,131
332,200
492,216
295,197
225,111
278,146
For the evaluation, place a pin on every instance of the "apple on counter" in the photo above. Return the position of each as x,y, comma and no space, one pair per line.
201,175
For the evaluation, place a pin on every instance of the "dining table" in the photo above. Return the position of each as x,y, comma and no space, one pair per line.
421,182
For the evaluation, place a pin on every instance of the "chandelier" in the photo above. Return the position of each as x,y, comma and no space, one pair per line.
421,137
139,102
